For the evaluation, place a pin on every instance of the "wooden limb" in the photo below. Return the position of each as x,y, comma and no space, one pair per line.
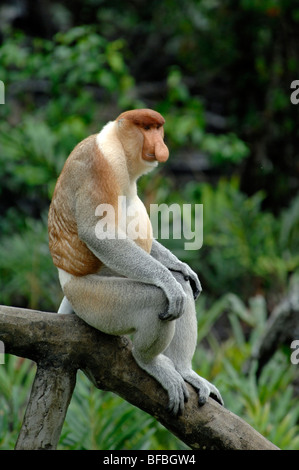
66,341
45,413
281,328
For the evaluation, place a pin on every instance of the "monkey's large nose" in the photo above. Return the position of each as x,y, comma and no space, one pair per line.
161,151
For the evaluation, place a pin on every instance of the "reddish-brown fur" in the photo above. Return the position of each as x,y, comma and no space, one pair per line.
143,117
85,167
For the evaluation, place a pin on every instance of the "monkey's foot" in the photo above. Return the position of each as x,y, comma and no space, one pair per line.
204,387
162,369
178,394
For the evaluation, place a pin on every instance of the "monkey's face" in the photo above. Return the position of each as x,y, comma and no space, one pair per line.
154,149
142,135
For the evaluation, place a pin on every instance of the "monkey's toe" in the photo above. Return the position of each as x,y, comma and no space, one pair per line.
178,396
209,390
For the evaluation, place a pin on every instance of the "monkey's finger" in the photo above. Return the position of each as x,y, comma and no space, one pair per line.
215,394
167,316
203,394
183,398
196,287
217,398
186,394
173,312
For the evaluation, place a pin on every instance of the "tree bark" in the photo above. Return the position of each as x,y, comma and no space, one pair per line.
66,343
45,413
282,327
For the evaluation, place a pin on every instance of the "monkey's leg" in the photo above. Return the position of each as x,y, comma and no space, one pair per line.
118,306
148,344
183,345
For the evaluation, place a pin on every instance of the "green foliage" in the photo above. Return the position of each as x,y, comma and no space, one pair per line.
185,124
72,62
240,240
16,377
99,420
268,403
289,230
93,418
27,274
36,165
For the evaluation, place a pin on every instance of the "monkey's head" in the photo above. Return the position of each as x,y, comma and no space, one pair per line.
141,133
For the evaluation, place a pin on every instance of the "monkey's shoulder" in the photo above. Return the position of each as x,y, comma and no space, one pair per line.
82,160
83,152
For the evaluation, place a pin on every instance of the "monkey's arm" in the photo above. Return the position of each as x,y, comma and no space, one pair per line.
123,256
170,261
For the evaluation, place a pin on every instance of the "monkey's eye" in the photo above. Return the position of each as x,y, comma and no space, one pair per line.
146,128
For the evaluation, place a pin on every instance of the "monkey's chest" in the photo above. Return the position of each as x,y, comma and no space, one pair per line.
134,220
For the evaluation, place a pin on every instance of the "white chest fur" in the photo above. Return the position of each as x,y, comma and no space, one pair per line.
133,219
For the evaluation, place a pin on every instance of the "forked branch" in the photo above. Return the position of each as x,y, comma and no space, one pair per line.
62,344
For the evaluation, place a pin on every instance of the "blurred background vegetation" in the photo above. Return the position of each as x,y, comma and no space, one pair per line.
220,73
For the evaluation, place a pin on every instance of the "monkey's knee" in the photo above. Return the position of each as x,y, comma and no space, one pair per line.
153,337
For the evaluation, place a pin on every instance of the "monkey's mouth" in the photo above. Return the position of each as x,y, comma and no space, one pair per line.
150,157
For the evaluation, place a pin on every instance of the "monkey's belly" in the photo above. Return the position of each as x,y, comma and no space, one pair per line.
137,222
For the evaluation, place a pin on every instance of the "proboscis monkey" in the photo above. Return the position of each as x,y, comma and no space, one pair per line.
117,283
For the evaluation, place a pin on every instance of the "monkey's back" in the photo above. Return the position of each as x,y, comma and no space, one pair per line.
69,252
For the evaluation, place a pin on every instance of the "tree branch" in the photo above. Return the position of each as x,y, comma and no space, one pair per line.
66,343
281,328
45,413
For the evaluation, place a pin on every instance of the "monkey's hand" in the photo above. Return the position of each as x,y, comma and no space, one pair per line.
176,301
189,275
170,261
